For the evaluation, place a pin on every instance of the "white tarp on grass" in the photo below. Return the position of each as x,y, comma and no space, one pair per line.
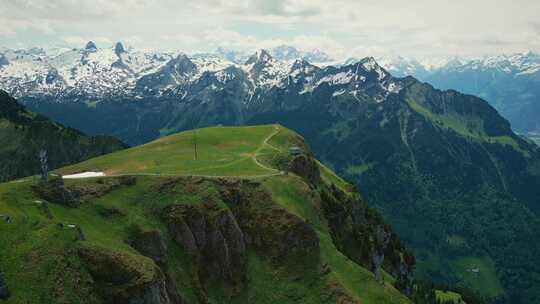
84,175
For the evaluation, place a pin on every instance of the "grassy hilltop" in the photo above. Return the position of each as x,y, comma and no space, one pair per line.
245,222
221,151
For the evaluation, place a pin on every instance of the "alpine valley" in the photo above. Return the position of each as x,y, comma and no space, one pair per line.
457,185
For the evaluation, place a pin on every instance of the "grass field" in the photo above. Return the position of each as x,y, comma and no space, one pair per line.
221,151
471,128
485,280
475,272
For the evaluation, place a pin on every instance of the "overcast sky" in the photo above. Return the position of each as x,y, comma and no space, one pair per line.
342,28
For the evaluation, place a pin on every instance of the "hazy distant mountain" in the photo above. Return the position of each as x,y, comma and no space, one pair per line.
282,53
511,83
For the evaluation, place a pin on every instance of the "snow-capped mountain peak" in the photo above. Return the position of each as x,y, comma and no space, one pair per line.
119,49
264,70
260,57
90,47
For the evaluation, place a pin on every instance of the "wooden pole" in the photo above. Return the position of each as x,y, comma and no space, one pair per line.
195,142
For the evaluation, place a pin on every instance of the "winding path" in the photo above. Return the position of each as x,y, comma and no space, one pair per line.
266,143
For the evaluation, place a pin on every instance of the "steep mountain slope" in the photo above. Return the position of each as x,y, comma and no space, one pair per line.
23,135
450,164
257,235
508,82
444,159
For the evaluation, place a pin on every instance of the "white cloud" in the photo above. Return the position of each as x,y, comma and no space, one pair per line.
11,27
341,27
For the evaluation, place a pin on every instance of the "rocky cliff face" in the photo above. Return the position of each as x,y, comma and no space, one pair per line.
306,167
124,278
219,238
362,235
213,237
151,244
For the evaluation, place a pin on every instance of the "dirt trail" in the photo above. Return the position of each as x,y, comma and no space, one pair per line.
265,143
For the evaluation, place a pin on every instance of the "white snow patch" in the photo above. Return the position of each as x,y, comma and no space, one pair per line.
393,88
337,93
339,78
83,175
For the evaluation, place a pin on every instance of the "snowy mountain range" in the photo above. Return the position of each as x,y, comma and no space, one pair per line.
510,83
97,72
93,74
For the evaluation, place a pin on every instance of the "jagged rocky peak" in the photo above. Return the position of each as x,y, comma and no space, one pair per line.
301,64
261,56
302,67
370,66
3,60
234,71
119,48
369,63
182,64
90,47
52,76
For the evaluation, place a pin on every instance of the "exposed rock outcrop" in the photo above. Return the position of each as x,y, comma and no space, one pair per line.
305,167
212,236
90,47
55,191
3,60
268,228
360,234
151,244
123,278
119,49
4,291
278,233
